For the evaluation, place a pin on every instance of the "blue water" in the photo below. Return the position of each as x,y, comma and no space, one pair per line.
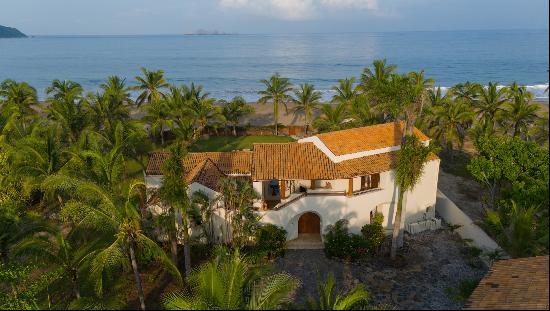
232,65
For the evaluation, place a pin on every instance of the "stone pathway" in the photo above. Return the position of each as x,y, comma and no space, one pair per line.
435,261
306,241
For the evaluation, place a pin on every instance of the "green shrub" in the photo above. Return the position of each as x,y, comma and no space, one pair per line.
463,291
270,241
374,233
339,243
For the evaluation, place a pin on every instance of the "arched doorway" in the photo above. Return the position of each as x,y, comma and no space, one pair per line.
309,223
309,233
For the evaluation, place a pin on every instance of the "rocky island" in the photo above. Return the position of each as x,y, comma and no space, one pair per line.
8,32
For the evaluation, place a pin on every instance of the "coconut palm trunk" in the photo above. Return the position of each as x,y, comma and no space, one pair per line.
397,225
276,116
161,135
174,246
137,277
182,224
74,279
187,252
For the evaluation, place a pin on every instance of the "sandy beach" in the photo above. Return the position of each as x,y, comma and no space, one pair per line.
263,114
543,103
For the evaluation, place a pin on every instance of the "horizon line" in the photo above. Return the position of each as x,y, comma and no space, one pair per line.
281,33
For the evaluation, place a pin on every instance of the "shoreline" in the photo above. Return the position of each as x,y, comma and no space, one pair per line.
263,114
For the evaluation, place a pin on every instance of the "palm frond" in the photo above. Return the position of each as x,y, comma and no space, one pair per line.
273,292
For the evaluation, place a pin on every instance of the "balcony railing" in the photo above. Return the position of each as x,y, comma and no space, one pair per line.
363,191
297,196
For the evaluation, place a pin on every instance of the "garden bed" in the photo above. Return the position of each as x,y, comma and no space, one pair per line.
434,262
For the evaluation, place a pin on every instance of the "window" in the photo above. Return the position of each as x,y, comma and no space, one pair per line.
370,181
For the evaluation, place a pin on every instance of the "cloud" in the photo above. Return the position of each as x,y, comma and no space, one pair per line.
296,9
352,4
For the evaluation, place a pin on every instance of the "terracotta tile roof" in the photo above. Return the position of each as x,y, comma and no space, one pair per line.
513,284
156,159
305,161
291,161
281,161
234,162
368,165
207,174
366,138
372,164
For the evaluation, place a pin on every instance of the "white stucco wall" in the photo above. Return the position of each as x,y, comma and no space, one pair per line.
419,202
468,230
153,181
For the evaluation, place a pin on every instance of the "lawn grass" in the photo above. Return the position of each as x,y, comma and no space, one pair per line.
228,143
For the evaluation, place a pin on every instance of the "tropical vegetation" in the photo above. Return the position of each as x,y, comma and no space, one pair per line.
76,225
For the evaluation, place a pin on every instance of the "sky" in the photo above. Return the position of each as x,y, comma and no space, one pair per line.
134,17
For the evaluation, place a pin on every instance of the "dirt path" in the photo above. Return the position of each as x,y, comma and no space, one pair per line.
464,192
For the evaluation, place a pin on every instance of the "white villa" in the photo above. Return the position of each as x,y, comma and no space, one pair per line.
307,185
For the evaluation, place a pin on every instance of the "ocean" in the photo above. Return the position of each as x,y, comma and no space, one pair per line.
232,65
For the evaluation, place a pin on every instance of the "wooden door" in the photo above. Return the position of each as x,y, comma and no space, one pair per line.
309,223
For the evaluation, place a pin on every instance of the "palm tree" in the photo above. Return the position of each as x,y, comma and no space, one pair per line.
46,244
276,92
380,74
419,90
173,192
229,282
62,90
345,91
490,102
99,160
374,85
37,156
450,123
436,98
16,101
306,101
234,110
115,220
180,115
539,132
106,111
68,108
19,94
409,169
333,118
204,207
394,95
116,91
467,92
203,111
241,221
515,227
520,113
158,118
193,93
356,299
150,85
361,112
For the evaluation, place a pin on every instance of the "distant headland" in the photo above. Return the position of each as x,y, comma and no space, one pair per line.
208,32
8,32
